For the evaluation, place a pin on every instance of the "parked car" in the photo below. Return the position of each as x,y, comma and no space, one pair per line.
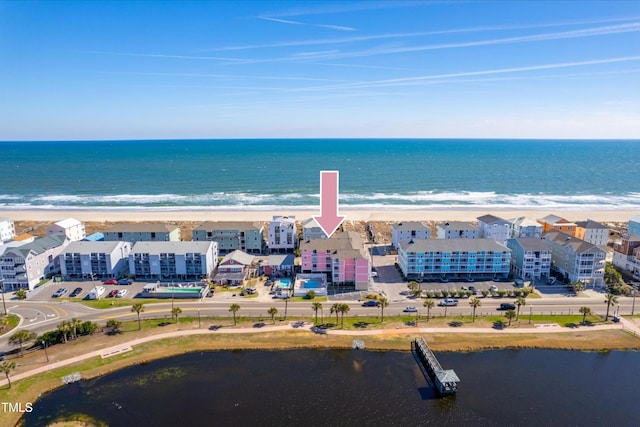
110,282
121,293
448,302
96,293
410,309
374,274
124,282
370,303
113,293
493,288
75,292
59,292
507,306
473,290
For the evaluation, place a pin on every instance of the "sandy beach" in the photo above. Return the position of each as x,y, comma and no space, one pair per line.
454,214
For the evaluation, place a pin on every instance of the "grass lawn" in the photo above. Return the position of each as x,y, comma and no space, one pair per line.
303,299
116,302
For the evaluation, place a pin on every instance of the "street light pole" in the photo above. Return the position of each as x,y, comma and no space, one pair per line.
286,305
198,318
530,313
3,303
95,289
633,307
44,345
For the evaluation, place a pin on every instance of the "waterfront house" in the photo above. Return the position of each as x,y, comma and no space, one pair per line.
457,230
22,267
454,259
143,232
81,260
408,230
576,259
234,268
530,257
493,227
592,232
7,229
624,252
232,235
634,226
283,234
555,222
70,228
173,260
311,230
525,227
342,258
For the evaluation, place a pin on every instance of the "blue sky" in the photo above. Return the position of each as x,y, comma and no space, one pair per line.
510,69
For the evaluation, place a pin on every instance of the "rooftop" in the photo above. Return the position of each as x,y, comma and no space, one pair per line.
532,244
453,245
238,256
230,225
67,223
591,224
410,226
565,239
87,247
174,247
490,219
457,225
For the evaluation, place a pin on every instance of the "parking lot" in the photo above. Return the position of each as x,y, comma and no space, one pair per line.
46,292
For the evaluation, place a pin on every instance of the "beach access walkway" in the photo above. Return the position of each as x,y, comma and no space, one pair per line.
109,351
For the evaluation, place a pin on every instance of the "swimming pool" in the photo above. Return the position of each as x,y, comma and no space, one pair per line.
284,283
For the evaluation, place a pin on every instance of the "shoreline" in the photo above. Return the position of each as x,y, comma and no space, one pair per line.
454,213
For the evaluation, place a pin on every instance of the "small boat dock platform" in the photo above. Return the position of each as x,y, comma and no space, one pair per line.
446,381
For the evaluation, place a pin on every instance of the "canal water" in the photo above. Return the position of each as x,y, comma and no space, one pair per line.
357,388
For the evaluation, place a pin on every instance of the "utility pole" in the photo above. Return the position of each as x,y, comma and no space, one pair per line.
44,345
3,303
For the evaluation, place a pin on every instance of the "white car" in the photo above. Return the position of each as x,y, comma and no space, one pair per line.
493,288
121,293
96,293
410,309
448,302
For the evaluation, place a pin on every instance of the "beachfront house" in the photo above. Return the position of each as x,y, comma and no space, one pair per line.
342,258
143,232
82,260
408,230
523,227
454,259
555,222
7,229
22,267
311,230
634,226
232,235
624,252
234,268
493,227
530,257
283,234
280,265
593,232
576,259
457,230
173,260
70,228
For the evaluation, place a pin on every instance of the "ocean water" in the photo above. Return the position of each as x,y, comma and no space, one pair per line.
276,173
357,388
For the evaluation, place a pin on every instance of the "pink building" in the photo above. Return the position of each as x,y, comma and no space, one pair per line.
343,258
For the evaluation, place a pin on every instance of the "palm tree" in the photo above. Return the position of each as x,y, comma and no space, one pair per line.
234,309
315,307
428,304
609,299
344,308
21,338
383,302
335,309
474,303
585,311
510,314
73,325
114,325
138,308
6,368
578,286
64,327
520,301
175,312
272,312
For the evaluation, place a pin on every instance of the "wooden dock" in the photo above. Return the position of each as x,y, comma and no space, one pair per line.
446,381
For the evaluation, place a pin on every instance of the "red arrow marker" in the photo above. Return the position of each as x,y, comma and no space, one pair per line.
329,220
